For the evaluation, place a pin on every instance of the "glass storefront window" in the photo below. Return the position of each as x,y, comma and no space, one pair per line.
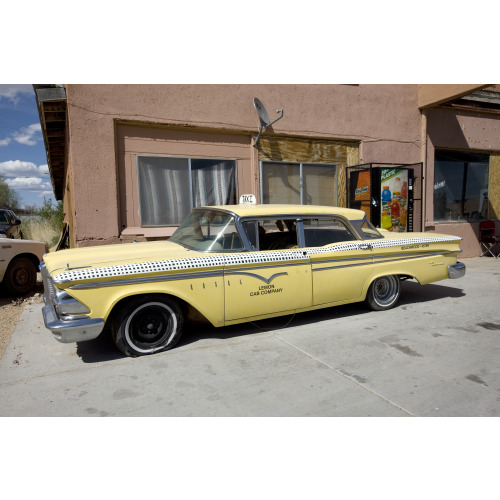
460,186
299,183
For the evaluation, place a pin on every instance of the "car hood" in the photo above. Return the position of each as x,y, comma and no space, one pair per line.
115,255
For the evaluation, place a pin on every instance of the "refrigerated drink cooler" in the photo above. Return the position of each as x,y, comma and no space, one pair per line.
390,194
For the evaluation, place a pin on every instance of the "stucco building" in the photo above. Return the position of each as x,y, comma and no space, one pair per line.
130,161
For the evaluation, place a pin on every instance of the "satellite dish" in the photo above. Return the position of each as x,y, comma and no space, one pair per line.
261,111
264,118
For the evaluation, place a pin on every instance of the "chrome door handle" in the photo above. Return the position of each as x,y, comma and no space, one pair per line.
365,246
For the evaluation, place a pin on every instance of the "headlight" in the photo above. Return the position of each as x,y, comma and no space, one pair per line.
65,304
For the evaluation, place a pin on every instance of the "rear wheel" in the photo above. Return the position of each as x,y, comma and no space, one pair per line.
147,324
20,277
383,293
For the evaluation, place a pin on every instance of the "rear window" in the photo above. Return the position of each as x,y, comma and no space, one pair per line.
366,229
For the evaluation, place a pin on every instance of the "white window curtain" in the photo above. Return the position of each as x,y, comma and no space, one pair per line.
163,190
214,182
164,187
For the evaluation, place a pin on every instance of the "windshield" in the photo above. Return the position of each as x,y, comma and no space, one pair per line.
366,229
208,231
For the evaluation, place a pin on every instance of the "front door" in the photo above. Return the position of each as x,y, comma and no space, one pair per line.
273,279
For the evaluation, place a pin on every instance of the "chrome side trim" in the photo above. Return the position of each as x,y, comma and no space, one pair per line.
456,271
341,267
267,281
231,259
410,257
369,260
148,279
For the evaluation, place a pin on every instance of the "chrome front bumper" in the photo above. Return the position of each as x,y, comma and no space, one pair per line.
456,271
69,328
75,330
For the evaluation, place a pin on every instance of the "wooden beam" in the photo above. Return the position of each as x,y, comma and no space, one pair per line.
57,116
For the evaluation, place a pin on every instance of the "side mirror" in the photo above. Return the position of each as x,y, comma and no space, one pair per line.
17,222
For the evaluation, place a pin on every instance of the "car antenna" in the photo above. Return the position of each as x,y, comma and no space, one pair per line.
263,119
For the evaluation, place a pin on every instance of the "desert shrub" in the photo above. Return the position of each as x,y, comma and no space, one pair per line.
46,225
8,197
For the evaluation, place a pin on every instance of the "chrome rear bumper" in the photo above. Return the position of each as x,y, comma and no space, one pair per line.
456,271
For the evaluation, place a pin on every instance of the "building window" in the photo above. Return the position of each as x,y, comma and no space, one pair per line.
299,183
460,186
169,188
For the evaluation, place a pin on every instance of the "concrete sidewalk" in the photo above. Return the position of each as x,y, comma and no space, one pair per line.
435,354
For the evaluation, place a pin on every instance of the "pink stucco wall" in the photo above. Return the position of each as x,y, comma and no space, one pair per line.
384,119
457,130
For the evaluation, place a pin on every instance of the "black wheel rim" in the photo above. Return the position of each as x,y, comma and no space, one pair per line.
150,327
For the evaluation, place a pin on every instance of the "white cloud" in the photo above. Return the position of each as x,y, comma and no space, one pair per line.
44,194
29,184
13,91
13,168
29,135
5,142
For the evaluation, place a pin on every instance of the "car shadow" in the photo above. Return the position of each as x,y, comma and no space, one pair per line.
103,348
99,350
412,292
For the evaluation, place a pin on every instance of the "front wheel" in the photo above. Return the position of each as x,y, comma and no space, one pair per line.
146,325
383,293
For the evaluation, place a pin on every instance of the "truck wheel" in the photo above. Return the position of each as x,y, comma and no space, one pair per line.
383,293
147,324
20,277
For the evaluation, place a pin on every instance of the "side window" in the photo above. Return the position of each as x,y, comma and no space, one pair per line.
4,219
272,234
321,232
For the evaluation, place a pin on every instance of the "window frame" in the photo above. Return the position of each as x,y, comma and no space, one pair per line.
464,157
347,226
301,176
300,228
191,200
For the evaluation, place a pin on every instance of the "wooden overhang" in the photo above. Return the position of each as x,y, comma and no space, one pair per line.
430,95
51,102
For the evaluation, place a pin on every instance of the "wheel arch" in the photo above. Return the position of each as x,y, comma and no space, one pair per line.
402,276
27,255
188,310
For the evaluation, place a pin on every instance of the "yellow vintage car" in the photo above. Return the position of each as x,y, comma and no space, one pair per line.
235,263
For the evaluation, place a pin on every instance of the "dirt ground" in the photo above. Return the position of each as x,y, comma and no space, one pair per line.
11,309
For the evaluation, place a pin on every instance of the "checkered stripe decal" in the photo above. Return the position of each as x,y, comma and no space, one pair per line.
230,260
191,264
382,244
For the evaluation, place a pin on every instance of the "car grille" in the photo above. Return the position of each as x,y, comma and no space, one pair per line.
49,290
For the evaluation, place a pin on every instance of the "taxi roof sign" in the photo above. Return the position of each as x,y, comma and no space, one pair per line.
248,199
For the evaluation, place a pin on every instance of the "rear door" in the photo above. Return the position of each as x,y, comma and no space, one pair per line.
341,264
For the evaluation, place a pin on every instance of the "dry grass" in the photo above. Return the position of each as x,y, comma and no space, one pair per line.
38,229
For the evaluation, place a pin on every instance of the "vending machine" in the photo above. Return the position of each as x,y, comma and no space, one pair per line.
388,194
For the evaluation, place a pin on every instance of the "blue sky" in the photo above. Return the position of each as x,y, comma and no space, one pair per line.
23,162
